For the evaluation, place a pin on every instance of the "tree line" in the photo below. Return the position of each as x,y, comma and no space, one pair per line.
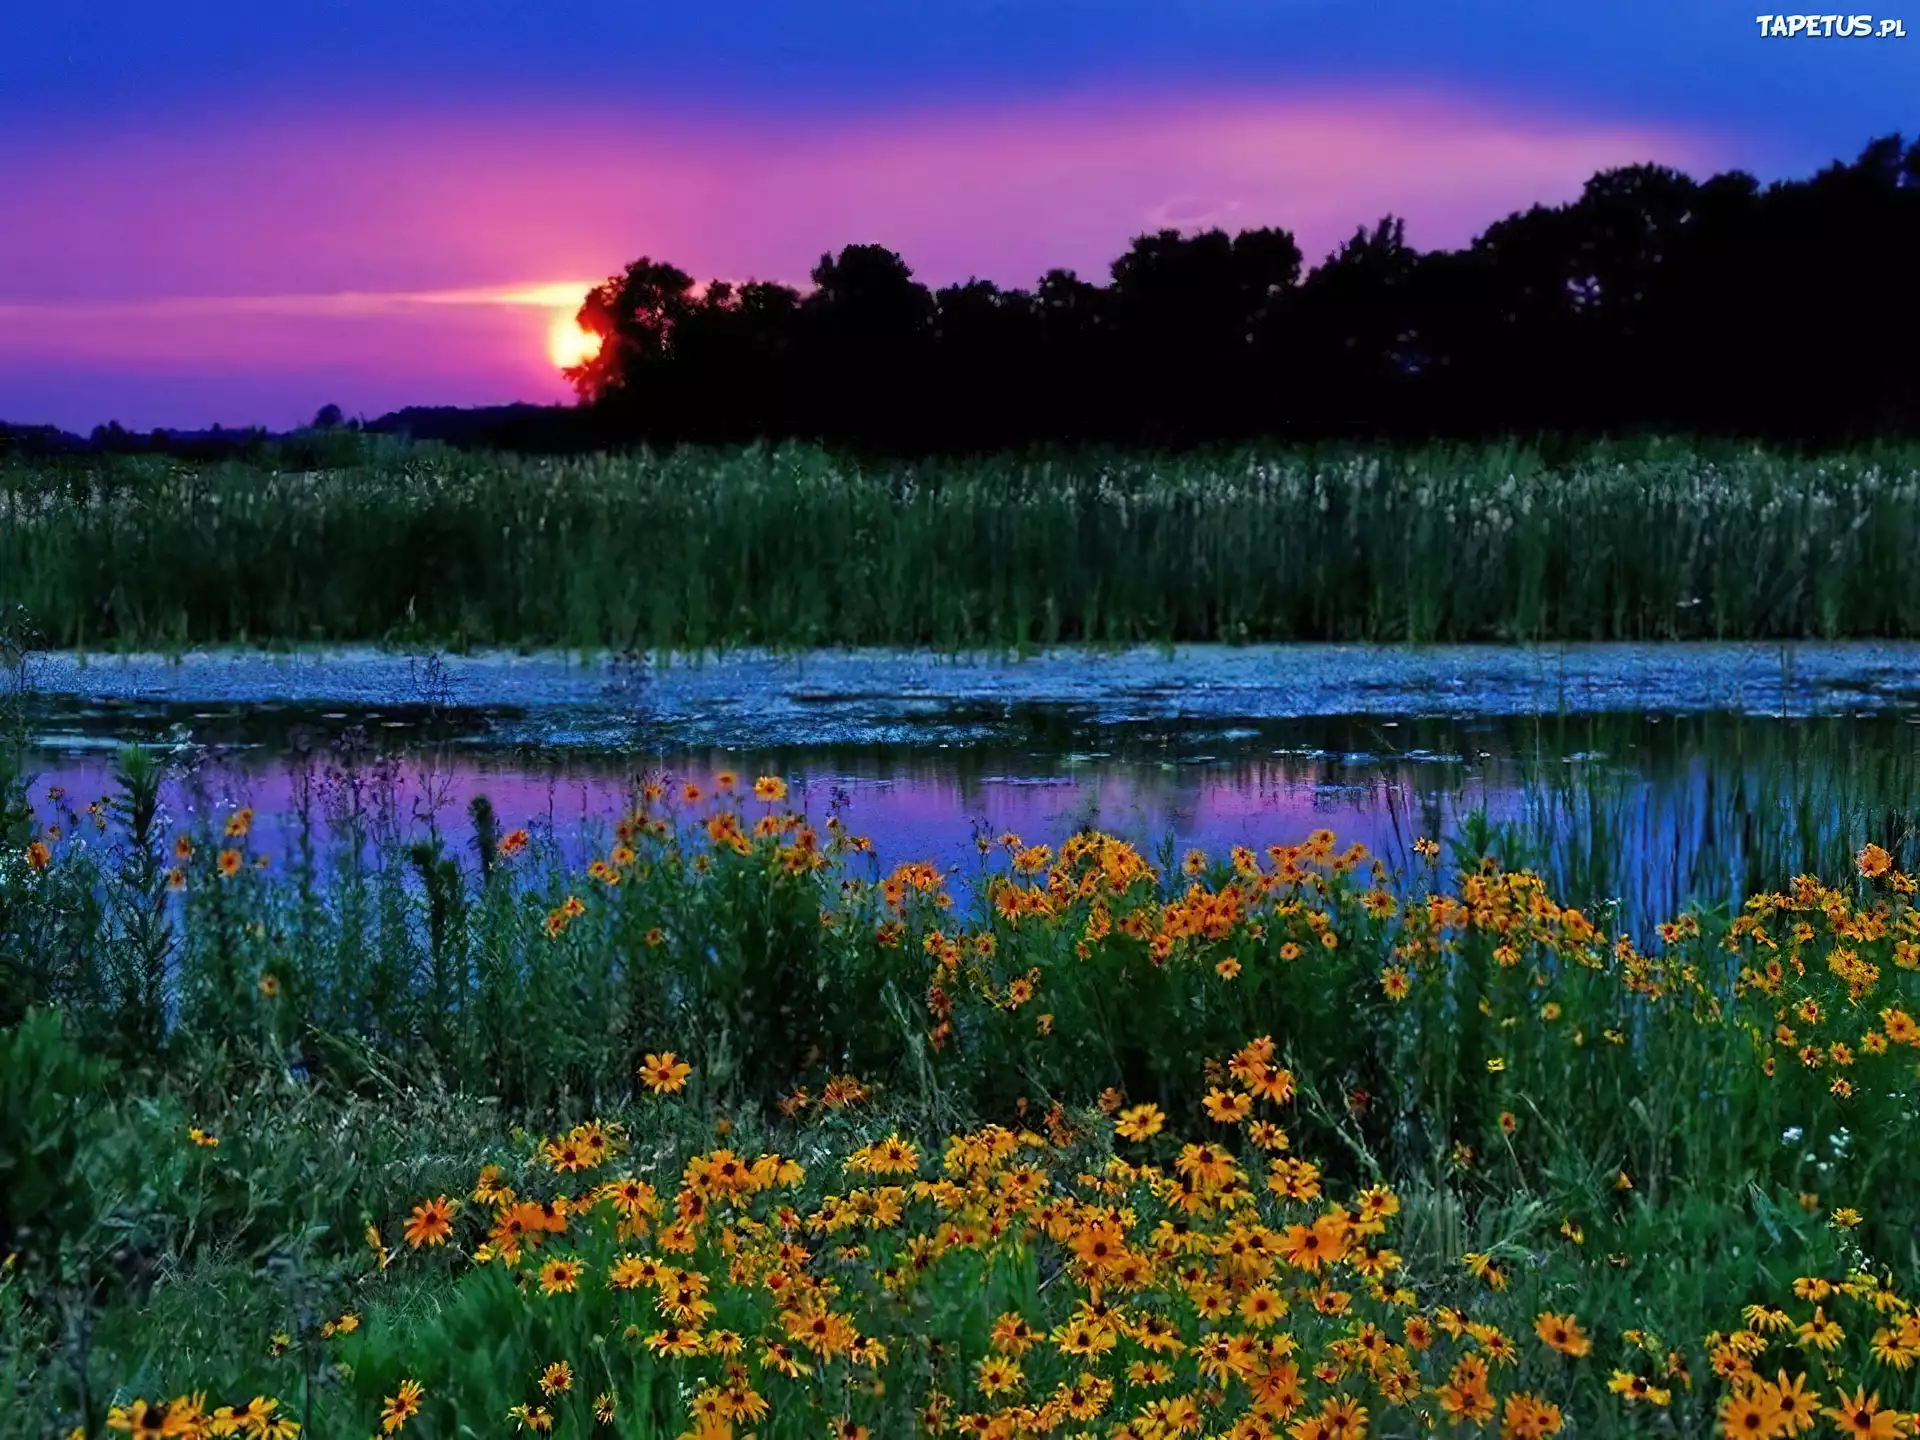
1653,302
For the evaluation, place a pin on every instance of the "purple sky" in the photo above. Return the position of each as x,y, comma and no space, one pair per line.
246,212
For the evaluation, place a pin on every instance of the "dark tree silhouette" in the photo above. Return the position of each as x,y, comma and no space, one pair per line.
1652,302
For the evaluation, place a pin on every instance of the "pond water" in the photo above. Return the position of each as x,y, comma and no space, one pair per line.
1651,774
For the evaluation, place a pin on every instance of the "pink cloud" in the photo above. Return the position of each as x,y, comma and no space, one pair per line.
391,205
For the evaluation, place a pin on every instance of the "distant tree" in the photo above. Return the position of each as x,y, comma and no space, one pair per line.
867,332
635,314
327,418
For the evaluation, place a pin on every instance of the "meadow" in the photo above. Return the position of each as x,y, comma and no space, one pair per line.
344,537
735,1132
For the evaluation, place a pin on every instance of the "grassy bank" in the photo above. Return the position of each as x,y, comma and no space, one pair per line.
1223,1145
794,548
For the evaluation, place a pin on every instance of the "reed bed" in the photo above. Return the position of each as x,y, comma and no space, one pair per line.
792,547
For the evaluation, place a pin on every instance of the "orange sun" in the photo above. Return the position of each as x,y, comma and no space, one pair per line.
567,344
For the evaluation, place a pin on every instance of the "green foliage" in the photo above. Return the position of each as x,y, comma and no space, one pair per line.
49,1097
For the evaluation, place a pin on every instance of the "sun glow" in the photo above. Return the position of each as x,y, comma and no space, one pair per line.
569,345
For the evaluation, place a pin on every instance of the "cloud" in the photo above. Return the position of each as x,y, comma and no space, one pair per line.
554,295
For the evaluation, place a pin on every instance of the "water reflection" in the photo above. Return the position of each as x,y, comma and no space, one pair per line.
1652,810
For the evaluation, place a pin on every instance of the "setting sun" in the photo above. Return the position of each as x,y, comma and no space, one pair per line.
569,345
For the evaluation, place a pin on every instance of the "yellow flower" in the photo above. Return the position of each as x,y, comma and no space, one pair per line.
665,1073
1562,1333
402,1407
559,1276
431,1222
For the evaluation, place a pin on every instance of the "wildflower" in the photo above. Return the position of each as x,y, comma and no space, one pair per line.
559,1276
1821,1333
1766,1319
1562,1333
513,842
176,879
1874,862
1894,1350
1793,1402
999,1374
203,1139
250,1417
230,864
556,1379
1228,1107
402,1407
603,1407
1637,1389
38,858
1271,1082
140,1418
536,1418
770,789
1860,1416
1140,1122
1483,1267
431,1222
665,1073
239,823
1527,1417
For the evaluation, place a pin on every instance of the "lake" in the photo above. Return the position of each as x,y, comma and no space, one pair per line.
1651,774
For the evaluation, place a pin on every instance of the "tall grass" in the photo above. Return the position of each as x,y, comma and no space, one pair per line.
792,548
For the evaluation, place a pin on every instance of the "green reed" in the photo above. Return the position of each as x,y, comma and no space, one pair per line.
792,547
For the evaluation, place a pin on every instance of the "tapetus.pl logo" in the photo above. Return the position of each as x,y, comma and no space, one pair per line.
1831,27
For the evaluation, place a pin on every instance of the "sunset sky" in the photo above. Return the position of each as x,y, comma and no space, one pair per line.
237,212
